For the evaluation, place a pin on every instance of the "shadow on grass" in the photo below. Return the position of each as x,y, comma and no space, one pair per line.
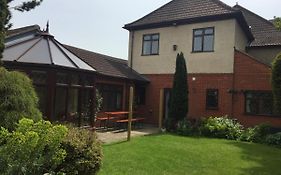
265,160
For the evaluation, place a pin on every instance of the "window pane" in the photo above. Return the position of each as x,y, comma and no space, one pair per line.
198,32
39,77
197,45
147,37
154,47
155,37
259,103
208,43
72,111
209,31
42,95
146,47
62,78
60,106
212,98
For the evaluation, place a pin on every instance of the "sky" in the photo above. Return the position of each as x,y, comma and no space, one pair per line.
96,25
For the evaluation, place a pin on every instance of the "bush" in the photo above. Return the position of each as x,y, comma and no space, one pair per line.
221,127
184,127
33,148
256,134
83,152
276,83
274,139
18,99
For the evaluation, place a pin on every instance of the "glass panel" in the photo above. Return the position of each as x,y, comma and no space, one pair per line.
155,47
147,37
197,45
209,31
72,111
60,104
37,54
42,95
75,80
146,47
155,37
112,98
88,81
198,32
86,106
212,98
62,78
38,77
208,43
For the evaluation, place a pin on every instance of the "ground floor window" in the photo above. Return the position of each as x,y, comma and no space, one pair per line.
112,97
259,102
212,99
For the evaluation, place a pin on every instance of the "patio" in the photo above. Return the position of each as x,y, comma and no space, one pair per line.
121,134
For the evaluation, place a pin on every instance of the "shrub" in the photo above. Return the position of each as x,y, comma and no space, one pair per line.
221,127
18,99
256,134
276,83
33,148
274,139
83,152
184,127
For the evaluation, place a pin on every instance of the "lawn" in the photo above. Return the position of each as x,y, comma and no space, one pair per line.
169,154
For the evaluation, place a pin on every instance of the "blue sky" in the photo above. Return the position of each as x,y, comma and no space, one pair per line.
96,25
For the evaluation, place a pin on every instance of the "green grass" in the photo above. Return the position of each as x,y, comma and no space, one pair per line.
169,154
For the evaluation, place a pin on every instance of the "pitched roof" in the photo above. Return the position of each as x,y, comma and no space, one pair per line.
43,49
14,32
264,32
178,12
183,9
107,65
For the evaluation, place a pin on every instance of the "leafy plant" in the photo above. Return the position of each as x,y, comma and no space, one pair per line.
33,148
18,99
274,139
256,134
83,152
276,83
221,127
184,127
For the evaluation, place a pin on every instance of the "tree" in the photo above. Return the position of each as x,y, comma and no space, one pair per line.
277,22
179,98
276,83
5,16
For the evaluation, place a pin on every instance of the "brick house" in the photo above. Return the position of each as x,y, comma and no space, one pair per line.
228,51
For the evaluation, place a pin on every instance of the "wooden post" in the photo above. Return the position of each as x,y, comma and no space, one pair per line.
161,102
131,99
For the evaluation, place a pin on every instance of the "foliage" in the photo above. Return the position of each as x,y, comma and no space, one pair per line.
83,152
256,134
18,99
276,83
179,97
221,127
5,16
33,148
184,127
277,22
274,139
98,102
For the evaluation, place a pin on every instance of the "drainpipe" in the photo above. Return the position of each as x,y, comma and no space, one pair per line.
132,48
233,85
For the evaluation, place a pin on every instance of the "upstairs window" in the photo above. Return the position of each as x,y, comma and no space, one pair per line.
259,102
212,99
150,44
203,40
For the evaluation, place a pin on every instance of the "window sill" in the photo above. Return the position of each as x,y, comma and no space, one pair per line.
263,115
203,51
212,109
150,54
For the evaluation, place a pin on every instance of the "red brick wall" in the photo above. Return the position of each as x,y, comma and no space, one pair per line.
197,94
250,75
